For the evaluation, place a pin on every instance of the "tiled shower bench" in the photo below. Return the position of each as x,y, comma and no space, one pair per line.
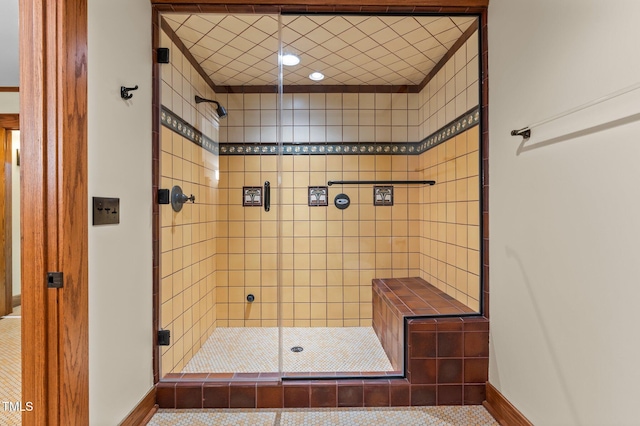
447,353
446,362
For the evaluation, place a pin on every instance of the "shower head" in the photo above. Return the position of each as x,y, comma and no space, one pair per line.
222,112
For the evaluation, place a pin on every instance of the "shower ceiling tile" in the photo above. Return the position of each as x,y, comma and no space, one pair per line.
361,50
267,24
209,43
352,35
405,25
319,36
372,25
175,20
449,36
230,51
213,18
232,24
318,53
197,23
188,34
337,25
439,25
255,35
271,44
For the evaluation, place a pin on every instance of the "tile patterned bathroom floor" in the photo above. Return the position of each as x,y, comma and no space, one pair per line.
406,416
255,350
10,363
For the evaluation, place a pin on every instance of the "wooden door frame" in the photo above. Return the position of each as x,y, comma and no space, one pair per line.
53,122
7,124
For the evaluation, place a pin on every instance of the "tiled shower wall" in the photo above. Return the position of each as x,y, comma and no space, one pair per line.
188,238
453,91
329,256
449,229
322,117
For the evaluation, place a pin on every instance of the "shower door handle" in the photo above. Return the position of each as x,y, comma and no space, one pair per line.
267,196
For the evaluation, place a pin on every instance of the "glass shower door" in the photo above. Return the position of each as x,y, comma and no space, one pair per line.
335,238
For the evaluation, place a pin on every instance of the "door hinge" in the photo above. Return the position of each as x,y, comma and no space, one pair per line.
164,338
55,280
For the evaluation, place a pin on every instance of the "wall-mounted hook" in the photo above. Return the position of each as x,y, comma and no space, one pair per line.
124,92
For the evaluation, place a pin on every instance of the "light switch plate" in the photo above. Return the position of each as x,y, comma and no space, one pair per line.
106,211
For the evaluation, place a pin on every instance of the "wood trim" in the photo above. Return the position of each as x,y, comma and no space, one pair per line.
53,111
6,224
15,301
502,410
33,224
10,121
180,4
9,89
142,412
73,222
5,248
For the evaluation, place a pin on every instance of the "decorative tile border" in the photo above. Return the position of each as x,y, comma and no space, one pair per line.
464,122
175,123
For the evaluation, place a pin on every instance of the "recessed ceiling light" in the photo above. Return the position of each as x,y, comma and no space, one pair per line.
290,59
316,76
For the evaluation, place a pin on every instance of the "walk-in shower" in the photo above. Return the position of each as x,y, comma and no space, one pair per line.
373,185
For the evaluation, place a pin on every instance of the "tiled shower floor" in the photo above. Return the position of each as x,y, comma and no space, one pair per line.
418,416
10,363
325,349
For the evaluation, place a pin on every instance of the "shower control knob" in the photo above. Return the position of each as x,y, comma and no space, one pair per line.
250,298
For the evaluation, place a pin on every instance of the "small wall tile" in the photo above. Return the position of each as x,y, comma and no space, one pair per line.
323,396
376,395
450,345
449,370
475,370
242,395
296,395
474,394
350,395
166,395
423,395
269,396
400,394
215,395
476,344
188,395
449,394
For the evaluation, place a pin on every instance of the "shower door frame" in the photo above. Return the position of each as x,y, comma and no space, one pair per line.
379,7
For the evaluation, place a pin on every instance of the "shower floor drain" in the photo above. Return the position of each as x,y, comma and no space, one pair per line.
297,349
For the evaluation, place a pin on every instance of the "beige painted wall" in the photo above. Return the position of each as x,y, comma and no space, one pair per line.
9,102
563,210
119,165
